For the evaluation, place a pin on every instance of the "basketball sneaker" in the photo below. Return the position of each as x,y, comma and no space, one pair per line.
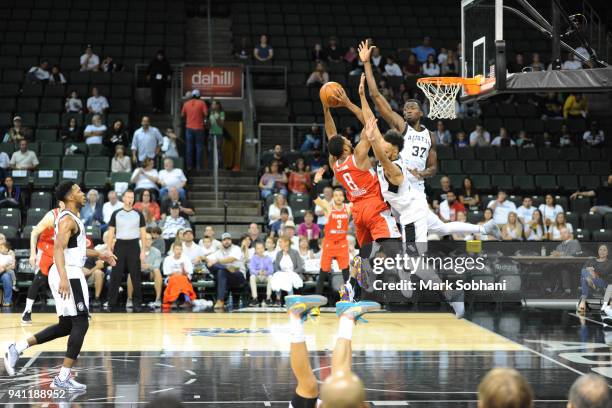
346,292
69,385
26,318
491,228
11,356
355,310
459,308
301,306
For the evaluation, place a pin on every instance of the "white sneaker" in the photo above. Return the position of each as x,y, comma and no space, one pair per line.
11,356
69,385
491,228
129,304
459,308
155,305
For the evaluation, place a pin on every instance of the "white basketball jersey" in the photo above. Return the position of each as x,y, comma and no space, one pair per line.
75,253
416,150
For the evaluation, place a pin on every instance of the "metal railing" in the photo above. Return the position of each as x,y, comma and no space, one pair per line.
293,134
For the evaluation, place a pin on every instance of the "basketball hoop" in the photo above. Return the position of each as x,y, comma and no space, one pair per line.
442,92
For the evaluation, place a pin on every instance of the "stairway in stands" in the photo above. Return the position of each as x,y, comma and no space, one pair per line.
196,40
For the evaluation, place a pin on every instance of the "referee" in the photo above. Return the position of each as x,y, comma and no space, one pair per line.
125,228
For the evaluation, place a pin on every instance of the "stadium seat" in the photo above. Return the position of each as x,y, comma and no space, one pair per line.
558,167
485,153
450,166
41,199
93,232
591,221
602,235
502,181
569,153
71,175
600,167
494,167
608,220
579,167
582,234
21,178
546,182
589,153
482,181
52,149
573,219
121,177
46,135
9,232
536,167
49,163
474,217
506,153
528,153
445,152
549,153
73,163
98,163
464,153
581,204
34,215
12,219
568,182
27,232
299,203
472,167
524,183
45,179
590,182
515,167
95,179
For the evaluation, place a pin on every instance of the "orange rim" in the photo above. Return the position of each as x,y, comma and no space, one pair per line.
443,80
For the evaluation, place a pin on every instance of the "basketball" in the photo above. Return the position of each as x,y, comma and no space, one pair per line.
326,94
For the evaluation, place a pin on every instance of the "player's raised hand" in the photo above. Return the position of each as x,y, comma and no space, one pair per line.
341,97
365,50
319,174
370,129
416,173
362,85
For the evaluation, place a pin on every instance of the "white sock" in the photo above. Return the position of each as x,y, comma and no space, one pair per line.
21,346
345,328
29,304
64,373
296,329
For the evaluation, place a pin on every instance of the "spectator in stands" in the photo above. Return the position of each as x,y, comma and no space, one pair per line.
518,64
595,274
480,137
275,208
424,50
271,247
525,140
56,77
567,247
173,223
158,241
150,222
116,135
350,57
443,136
70,132
225,265
603,197
179,270
120,162
74,104
17,132
512,230
333,52
91,213
263,52
307,256
549,210
504,387
145,177
487,215
273,182
589,391
216,120
245,248
97,103
261,269
565,138
376,60
7,271
547,140
169,149
316,161
503,139
254,232
442,56
431,67
552,107
571,63
534,228
287,266
209,232
206,243
147,202
594,136
172,177
95,131
24,159
412,67
536,64
391,68
501,207
450,207
278,226
312,139
526,210
89,60
146,142
576,106
194,252
5,165
461,140
173,197
243,52
195,113
113,204
158,76
39,73
299,178
279,156
109,65
308,228
554,231
468,196
10,195
319,76
151,266
461,236
450,67
317,54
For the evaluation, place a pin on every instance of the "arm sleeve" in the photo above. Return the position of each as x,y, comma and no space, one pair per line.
113,221
142,220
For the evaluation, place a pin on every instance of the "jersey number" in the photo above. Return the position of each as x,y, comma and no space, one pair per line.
339,224
415,151
350,182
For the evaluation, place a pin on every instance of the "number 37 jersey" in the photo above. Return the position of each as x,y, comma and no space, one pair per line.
416,150
361,185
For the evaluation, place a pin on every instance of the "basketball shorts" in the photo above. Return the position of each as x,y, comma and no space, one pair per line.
373,221
301,402
44,260
78,301
335,249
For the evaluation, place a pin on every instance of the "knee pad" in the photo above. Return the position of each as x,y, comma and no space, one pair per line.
80,325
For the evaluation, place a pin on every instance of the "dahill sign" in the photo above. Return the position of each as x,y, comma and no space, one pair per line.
220,82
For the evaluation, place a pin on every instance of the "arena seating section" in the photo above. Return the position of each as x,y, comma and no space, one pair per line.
58,31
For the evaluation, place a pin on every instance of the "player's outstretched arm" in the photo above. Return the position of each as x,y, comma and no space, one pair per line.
363,147
343,100
392,171
432,161
330,125
392,118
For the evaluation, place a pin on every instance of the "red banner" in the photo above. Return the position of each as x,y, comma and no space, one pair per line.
220,82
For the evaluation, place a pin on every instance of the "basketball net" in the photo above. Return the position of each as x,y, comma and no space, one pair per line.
441,93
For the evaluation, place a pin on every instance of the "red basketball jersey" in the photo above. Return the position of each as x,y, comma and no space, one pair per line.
360,185
46,238
337,224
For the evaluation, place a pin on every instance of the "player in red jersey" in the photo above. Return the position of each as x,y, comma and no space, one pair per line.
335,244
41,258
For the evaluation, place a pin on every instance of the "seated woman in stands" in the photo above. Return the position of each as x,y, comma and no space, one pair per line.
487,216
554,233
10,195
145,177
7,271
287,266
595,274
147,201
120,162
273,181
178,269
513,229
534,229
274,211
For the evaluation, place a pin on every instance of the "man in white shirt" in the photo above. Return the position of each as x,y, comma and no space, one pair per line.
480,137
209,232
147,141
113,204
173,223
171,177
503,139
40,72
525,211
501,208
95,131
24,159
97,103
191,250
225,265
89,60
